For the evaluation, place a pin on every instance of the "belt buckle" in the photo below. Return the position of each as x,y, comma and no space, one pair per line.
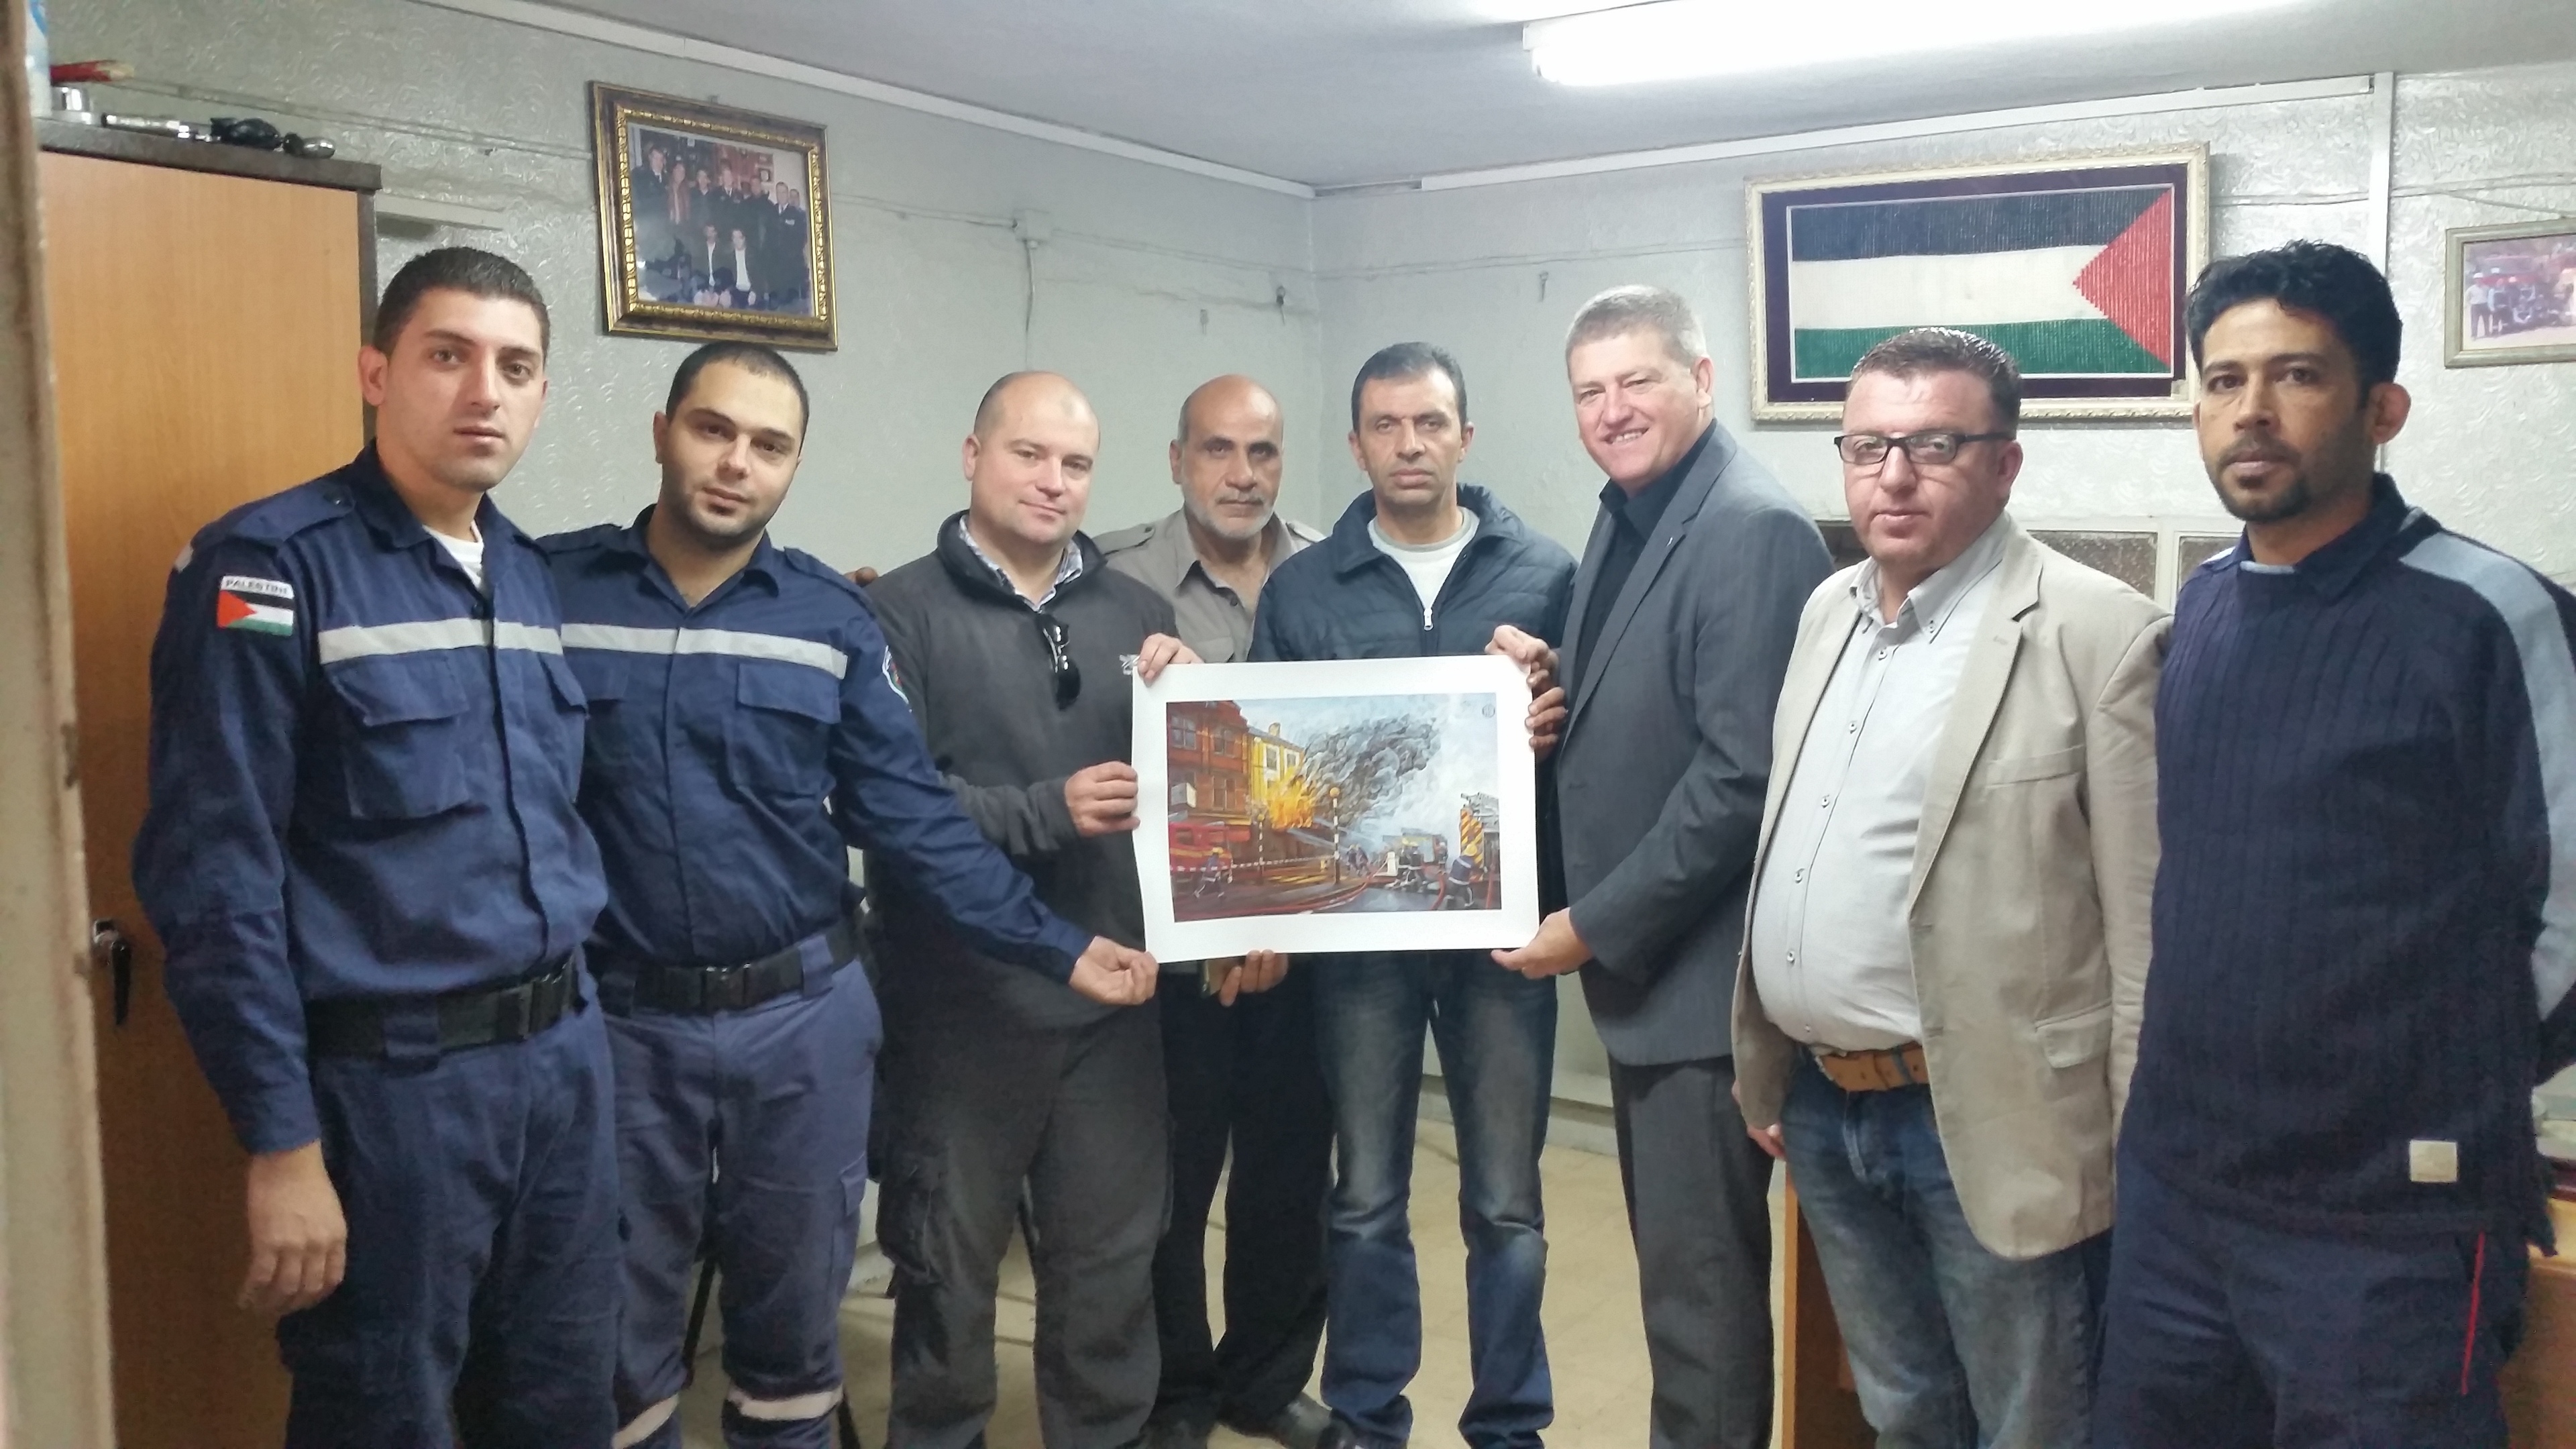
722,988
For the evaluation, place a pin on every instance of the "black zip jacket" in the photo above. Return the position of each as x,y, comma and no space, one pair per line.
968,657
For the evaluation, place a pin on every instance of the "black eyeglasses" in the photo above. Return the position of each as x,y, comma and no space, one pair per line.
1068,675
1869,450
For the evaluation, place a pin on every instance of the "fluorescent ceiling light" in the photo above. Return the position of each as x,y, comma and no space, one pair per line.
1678,39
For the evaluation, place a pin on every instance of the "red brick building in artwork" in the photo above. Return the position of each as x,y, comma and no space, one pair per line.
1207,744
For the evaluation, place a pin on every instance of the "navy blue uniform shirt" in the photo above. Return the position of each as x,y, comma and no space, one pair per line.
2365,923
739,747
362,779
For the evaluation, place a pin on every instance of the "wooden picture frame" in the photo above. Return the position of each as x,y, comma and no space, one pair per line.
2509,293
2077,265
713,223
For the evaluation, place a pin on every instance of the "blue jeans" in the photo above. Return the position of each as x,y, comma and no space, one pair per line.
1496,1034
1952,1346
2230,1334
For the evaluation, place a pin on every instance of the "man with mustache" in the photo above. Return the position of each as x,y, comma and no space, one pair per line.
1244,1076
2365,924
745,732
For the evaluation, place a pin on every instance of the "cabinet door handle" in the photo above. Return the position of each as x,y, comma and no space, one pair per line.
109,948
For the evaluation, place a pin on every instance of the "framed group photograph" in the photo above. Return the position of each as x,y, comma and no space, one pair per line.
2077,266
2511,295
1370,805
712,222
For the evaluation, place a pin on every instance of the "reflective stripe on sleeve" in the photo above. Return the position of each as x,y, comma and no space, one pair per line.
779,1411
641,1427
623,639
422,636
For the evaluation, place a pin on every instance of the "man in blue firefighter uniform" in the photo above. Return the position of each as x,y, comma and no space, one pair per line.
745,729
364,863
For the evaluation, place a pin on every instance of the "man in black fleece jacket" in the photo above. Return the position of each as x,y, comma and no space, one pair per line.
1013,642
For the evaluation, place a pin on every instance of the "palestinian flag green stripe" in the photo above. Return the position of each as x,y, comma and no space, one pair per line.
2078,348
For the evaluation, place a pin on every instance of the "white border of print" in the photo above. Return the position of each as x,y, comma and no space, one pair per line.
1517,789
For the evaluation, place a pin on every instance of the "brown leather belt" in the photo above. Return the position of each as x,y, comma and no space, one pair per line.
1879,1071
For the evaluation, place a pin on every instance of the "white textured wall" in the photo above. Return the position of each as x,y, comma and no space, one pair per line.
1153,281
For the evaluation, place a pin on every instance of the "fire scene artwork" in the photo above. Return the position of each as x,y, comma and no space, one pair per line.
1372,805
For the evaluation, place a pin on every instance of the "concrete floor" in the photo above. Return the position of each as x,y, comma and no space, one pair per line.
1596,1350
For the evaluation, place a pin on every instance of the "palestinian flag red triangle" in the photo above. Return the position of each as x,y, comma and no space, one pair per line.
230,609
2132,280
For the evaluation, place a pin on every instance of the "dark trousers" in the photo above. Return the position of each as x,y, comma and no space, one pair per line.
980,1105
1699,1211
2228,1334
1244,1075
754,1123
480,1189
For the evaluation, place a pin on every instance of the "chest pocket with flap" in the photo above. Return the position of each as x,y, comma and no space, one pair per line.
778,740
402,756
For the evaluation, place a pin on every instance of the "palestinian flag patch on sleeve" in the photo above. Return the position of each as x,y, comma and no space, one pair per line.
263,606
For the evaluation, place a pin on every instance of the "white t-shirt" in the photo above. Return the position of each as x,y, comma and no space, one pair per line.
1427,564
468,553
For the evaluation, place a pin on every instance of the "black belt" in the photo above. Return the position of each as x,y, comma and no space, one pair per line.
478,1017
705,990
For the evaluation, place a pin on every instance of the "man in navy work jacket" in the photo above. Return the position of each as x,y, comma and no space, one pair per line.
745,728
364,863
1419,565
2365,924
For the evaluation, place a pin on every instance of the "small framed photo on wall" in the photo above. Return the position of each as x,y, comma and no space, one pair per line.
2076,265
712,222
2512,294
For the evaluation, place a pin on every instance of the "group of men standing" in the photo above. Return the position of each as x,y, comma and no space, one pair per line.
711,229
506,905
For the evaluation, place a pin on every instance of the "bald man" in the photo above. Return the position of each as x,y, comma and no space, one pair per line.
1247,1077
1012,642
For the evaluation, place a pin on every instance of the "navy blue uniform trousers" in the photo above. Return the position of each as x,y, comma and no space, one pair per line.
2226,1334
757,1119
480,1188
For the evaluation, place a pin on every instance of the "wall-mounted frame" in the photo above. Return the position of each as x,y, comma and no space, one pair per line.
2077,265
713,223
2511,294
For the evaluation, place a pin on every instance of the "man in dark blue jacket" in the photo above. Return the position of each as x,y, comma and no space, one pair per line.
2365,923
745,730
1419,565
364,863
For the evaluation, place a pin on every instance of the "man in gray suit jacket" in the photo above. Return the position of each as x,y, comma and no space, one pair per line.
1683,616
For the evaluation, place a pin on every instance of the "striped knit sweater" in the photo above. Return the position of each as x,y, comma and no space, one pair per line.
2365,924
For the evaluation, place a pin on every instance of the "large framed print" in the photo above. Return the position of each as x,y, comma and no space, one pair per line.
2511,295
1366,805
713,222
2077,266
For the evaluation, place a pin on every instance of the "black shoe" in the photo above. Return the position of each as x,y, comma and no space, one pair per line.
1173,1431
1304,1424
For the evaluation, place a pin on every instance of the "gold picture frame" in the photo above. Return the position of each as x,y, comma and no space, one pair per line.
714,223
2149,253
2509,293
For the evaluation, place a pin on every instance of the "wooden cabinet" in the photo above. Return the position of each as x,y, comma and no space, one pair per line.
204,321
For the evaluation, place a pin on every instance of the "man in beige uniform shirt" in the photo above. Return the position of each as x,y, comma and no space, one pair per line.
1244,1073
1946,947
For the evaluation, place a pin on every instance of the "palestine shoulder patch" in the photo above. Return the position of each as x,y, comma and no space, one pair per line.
262,606
893,677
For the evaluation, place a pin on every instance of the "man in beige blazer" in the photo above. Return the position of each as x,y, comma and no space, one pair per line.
1946,946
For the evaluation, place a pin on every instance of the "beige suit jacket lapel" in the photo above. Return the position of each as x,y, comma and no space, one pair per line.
1981,692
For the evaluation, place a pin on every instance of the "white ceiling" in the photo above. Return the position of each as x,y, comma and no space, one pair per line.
1335,92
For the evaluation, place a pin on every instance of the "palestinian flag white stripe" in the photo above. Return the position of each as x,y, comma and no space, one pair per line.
1973,290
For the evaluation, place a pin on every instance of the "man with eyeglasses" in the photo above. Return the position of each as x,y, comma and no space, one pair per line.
1946,945
1013,642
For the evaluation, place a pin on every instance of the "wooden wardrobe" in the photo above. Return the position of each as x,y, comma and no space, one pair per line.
205,308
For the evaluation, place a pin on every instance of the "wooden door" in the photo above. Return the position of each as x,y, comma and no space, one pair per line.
204,330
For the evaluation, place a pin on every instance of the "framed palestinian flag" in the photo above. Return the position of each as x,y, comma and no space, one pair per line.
2076,265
